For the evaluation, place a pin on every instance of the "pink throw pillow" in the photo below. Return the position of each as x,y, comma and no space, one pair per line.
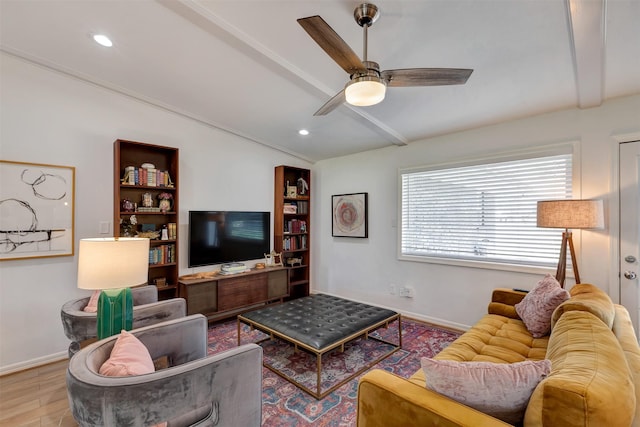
128,357
537,306
501,390
92,306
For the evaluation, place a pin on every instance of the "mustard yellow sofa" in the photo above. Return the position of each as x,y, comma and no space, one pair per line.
594,379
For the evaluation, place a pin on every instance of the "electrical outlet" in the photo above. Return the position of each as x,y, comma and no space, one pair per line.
393,289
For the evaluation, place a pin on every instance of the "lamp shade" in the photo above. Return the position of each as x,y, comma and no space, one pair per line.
570,214
111,263
365,91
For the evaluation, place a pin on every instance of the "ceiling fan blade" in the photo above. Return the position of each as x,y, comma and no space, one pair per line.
337,100
332,43
425,76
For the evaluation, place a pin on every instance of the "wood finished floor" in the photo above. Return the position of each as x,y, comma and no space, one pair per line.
35,397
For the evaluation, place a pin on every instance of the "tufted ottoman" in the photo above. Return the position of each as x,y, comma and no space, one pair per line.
318,324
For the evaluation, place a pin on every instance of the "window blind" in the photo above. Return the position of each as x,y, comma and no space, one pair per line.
484,212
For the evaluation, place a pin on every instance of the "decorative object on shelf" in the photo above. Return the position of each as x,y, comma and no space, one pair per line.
129,176
273,259
293,261
147,200
149,234
36,210
349,217
160,282
128,226
292,191
113,265
259,265
164,233
290,208
568,214
165,201
127,206
303,187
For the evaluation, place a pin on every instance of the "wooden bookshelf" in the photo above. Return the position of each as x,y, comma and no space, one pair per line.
292,221
132,183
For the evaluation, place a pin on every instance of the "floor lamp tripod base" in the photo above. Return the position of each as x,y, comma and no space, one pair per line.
567,239
115,312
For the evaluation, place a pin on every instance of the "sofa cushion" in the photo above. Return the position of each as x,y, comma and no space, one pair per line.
501,390
537,306
590,383
586,297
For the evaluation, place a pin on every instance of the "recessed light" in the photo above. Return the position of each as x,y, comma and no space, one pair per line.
303,132
103,40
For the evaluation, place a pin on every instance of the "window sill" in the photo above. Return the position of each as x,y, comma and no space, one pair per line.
516,268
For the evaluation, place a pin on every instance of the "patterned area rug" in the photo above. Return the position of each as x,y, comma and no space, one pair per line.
284,404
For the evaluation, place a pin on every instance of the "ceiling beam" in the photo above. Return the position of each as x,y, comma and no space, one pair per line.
587,32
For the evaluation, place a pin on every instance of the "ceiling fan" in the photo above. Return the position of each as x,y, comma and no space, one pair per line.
367,84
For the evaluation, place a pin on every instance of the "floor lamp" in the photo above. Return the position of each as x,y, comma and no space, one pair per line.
569,214
112,265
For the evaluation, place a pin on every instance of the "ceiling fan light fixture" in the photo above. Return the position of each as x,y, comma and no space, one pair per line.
365,91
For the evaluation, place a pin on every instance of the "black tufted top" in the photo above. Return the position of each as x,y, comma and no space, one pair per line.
319,320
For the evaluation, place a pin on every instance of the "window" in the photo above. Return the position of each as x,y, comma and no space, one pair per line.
483,212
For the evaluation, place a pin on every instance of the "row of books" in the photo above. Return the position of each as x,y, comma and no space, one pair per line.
300,208
292,243
146,176
163,254
172,232
295,226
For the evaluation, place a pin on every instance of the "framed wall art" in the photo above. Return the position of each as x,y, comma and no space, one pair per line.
36,210
349,215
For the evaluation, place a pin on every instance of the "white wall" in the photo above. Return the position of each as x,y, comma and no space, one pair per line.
363,269
47,117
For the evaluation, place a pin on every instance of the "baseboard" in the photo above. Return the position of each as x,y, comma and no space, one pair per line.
33,363
427,319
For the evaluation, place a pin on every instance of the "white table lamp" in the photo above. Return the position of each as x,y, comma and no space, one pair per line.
112,265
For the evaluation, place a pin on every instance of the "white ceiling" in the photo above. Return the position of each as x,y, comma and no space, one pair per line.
247,66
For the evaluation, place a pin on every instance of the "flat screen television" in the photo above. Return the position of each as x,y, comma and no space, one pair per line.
218,237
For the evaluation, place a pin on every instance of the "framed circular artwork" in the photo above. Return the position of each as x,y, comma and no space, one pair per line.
349,215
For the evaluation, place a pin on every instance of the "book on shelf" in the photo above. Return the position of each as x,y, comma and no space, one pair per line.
295,226
173,234
163,254
294,243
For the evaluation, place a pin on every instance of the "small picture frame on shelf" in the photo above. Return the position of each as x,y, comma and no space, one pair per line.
292,191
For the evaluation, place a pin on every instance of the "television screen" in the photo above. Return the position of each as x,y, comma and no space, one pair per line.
217,237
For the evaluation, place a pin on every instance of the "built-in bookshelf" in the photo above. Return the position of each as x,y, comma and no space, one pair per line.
292,225
146,205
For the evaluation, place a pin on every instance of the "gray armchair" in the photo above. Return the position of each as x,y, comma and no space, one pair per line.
80,326
224,389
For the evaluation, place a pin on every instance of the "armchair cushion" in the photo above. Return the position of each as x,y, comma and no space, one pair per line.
128,357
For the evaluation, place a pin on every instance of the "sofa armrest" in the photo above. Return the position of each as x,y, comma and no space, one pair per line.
385,399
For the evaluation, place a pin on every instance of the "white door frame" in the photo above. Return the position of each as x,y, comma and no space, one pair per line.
614,213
